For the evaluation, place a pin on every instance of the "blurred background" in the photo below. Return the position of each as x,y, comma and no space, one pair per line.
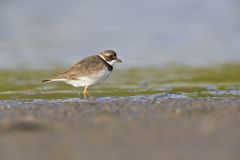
43,34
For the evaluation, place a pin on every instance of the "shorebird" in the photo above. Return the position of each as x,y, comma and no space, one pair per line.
88,71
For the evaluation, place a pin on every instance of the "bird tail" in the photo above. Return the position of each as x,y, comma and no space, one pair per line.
46,80
53,80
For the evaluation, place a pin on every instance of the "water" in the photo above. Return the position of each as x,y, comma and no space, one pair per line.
45,34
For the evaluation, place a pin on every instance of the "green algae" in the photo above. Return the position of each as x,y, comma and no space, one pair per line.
192,81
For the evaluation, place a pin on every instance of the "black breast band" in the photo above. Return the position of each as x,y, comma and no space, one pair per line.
109,67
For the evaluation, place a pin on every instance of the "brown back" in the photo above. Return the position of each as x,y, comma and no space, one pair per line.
85,67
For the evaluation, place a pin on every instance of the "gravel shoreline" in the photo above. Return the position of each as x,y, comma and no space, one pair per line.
140,127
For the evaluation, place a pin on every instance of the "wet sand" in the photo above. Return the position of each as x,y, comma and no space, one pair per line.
106,128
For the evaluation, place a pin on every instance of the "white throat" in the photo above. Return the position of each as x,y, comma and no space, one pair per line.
110,63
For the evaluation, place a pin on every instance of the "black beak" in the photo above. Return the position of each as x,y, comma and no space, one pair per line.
119,60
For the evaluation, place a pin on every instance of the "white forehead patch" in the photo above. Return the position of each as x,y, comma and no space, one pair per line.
107,54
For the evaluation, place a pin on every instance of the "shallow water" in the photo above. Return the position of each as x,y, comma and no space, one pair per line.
215,81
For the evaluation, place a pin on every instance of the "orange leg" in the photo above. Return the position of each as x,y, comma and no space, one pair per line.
85,92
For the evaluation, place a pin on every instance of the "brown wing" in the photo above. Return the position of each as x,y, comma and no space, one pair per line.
86,66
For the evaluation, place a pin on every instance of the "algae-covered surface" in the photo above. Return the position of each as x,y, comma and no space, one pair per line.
222,80
176,112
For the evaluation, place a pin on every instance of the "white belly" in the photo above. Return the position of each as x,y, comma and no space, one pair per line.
90,80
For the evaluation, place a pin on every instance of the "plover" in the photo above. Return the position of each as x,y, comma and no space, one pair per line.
89,71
